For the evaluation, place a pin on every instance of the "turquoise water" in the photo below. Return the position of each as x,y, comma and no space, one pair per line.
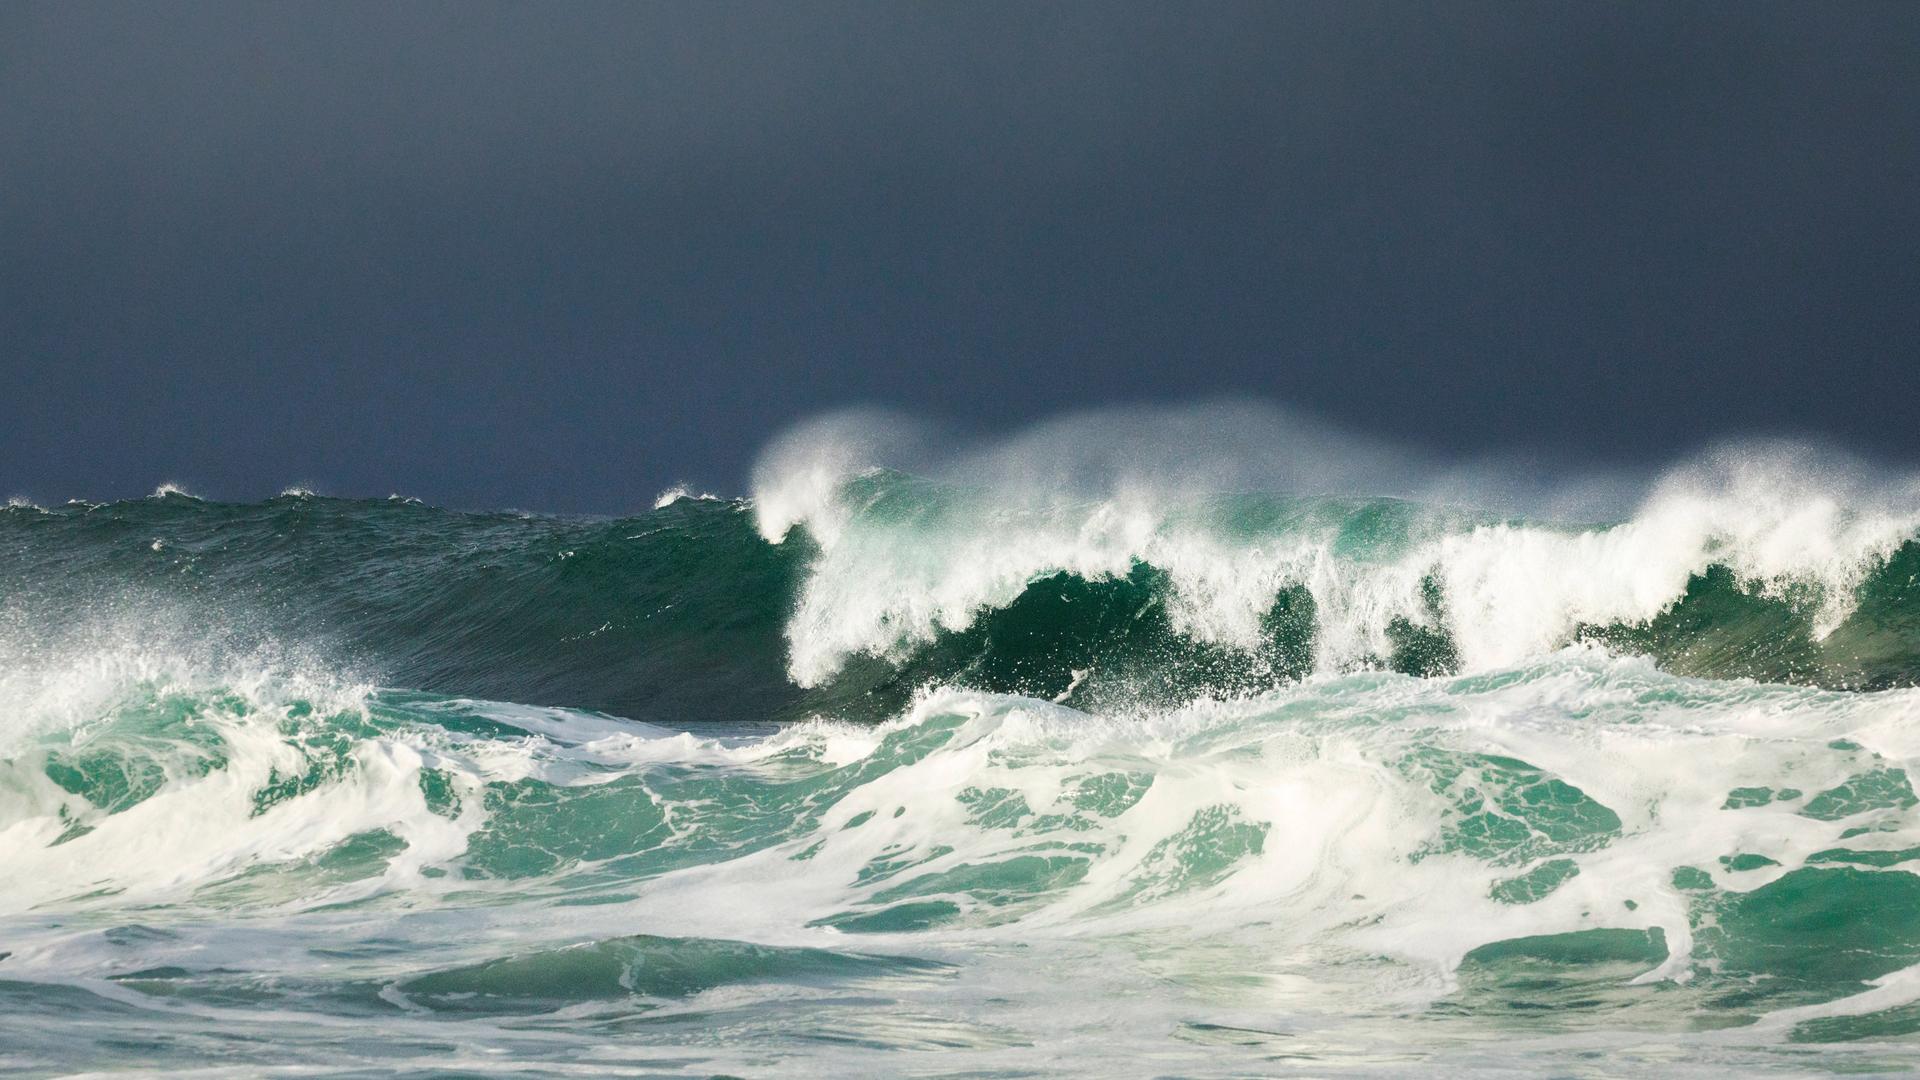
914,779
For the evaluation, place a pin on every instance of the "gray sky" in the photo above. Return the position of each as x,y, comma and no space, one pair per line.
561,255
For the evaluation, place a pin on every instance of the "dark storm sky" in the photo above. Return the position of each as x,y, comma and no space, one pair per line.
558,256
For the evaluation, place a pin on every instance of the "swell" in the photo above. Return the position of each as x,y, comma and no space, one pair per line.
643,616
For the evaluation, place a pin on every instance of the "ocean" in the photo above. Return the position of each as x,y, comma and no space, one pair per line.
870,773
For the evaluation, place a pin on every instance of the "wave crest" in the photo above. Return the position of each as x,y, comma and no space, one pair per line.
902,561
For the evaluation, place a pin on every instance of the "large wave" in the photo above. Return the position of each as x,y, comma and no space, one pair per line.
1052,558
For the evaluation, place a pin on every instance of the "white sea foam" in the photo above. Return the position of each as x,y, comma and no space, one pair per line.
1287,847
1318,771
1314,768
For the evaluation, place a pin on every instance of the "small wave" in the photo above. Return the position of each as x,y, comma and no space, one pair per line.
678,492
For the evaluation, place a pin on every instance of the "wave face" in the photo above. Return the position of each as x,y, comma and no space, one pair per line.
879,773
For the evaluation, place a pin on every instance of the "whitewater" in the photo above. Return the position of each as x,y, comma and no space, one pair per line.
1206,742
